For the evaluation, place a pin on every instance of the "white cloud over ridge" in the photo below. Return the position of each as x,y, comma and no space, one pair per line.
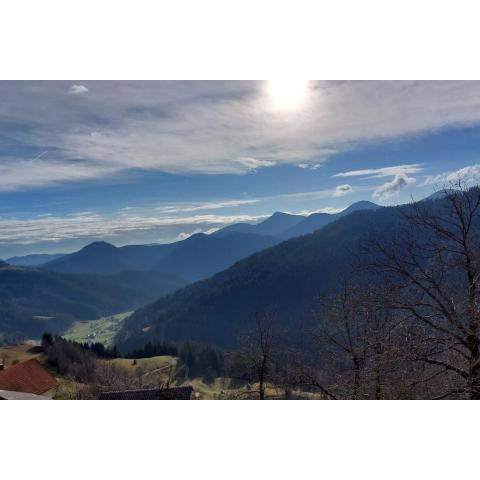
388,189
342,190
78,89
184,235
210,127
470,173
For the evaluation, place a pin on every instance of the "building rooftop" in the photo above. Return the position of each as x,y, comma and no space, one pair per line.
27,377
177,393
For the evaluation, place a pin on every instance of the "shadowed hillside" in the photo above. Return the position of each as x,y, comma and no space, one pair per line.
33,300
285,278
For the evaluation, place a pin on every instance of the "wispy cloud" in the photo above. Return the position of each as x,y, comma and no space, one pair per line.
196,206
23,174
59,228
384,171
329,210
309,166
169,218
253,163
187,207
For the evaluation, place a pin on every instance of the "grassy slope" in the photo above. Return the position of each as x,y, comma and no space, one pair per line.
104,329
148,364
19,353
154,371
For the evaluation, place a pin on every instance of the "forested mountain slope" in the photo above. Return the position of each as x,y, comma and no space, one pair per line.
315,221
33,300
199,256
285,278
274,225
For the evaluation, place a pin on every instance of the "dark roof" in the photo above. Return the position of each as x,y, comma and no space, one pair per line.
177,393
27,377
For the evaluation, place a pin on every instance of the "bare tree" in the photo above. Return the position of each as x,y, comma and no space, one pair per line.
356,342
432,267
340,337
258,351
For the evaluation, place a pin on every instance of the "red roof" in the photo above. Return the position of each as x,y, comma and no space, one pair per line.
27,377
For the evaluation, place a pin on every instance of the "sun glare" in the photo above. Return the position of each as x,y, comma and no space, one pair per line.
287,94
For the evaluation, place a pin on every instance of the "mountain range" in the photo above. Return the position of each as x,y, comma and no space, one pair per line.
33,260
284,225
286,279
196,257
102,279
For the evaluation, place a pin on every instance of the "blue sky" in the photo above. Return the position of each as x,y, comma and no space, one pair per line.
145,162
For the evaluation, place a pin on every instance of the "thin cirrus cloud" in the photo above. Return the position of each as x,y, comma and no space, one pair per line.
210,127
185,207
41,171
88,224
195,207
384,171
85,225
329,210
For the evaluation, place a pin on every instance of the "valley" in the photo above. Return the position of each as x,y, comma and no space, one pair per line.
102,330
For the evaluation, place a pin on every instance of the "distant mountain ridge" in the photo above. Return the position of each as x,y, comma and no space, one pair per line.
285,278
272,226
285,225
315,221
200,255
34,259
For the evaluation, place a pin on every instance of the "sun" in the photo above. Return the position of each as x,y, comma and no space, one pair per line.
287,94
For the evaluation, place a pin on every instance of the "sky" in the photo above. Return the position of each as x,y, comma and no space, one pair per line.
155,162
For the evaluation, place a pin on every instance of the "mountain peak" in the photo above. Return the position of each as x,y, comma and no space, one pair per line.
99,246
280,214
361,205
441,194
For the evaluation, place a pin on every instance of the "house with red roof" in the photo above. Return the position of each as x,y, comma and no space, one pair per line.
28,377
